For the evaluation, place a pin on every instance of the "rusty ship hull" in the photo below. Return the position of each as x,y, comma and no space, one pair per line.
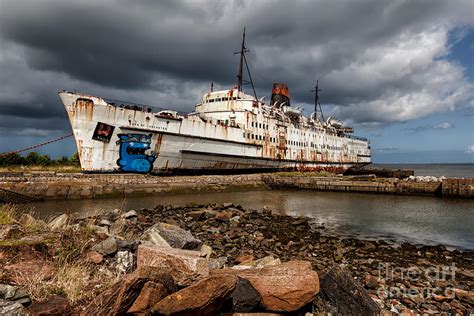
228,131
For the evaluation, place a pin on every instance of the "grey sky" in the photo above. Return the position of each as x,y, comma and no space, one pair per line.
379,62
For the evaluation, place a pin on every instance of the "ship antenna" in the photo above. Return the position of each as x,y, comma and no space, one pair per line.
243,59
317,105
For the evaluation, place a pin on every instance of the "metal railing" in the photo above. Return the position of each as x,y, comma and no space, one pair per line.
139,107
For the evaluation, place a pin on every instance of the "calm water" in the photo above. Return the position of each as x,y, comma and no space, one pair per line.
461,170
424,220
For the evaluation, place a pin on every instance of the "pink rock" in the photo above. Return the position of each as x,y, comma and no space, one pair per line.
185,266
284,287
204,297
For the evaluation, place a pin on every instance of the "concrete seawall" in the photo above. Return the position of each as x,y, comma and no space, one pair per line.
449,188
58,186
52,186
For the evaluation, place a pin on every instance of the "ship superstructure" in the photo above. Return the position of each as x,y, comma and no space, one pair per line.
228,131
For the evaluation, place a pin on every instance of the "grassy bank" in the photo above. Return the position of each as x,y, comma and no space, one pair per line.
47,258
41,168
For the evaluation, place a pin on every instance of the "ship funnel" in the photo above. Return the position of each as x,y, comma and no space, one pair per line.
280,95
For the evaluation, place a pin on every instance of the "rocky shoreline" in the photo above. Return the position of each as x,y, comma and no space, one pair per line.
219,258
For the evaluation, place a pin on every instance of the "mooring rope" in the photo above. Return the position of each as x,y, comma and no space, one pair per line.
36,146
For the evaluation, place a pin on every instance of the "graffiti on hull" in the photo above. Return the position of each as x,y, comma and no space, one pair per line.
132,153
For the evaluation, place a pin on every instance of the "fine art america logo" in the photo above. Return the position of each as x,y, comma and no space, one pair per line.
417,283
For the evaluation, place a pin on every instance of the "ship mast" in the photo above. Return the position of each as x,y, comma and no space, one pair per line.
240,76
317,105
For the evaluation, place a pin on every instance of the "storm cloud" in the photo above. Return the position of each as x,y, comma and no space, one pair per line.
378,62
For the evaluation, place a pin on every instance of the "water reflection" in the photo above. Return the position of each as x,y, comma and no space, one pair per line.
416,219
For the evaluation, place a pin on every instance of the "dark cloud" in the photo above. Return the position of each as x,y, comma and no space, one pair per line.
377,61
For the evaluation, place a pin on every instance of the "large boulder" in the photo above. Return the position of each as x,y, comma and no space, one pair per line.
284,287
245,298
205,297
176,237
339,288
151,293
122,295
185,266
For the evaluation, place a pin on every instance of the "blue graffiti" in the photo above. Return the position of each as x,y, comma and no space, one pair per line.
132,153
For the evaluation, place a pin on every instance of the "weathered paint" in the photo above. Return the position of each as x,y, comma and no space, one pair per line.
228,130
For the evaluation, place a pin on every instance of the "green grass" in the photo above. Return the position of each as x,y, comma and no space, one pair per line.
19,243
8,213
54,168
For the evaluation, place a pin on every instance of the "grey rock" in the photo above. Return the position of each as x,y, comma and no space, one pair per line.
152,237
100,229
106,247
177,237
244,297
124,245
13,293
59,222
9,308
130,214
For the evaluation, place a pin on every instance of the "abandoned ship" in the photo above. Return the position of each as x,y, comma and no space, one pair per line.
229,131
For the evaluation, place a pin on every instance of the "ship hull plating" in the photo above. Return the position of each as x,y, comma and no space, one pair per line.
241,136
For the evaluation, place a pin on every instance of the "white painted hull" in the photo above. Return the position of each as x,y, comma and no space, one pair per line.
190,143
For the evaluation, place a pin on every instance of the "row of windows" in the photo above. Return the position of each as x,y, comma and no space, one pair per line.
260,137
260,125
222,99
290,142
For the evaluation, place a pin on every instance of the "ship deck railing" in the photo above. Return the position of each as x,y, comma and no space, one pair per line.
140,107
356,137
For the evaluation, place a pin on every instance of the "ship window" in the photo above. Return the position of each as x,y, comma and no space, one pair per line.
252,136
252,124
